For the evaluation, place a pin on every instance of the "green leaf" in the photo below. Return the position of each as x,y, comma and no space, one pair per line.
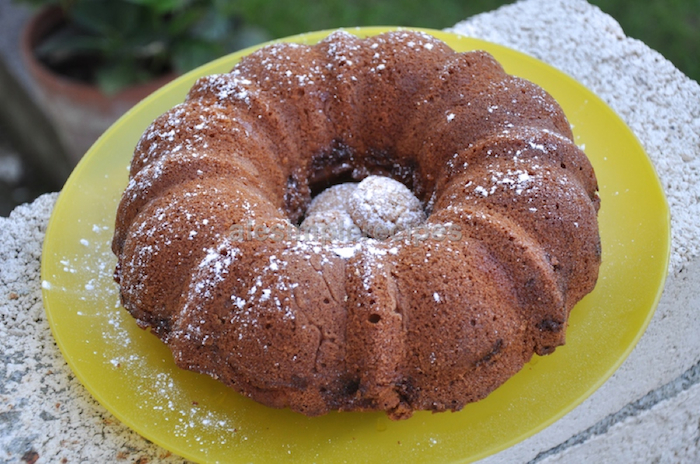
67,43
225,7
95,17
115,77
188,54
161,6
247,36
212,27
182,22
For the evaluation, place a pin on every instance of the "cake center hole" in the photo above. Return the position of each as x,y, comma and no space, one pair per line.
378,207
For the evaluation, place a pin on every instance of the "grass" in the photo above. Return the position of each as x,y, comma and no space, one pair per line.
671,27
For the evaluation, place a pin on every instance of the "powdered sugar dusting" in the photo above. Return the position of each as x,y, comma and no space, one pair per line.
211,271
335,198
118,343
334,225
225,87
381,207
377,207
518,180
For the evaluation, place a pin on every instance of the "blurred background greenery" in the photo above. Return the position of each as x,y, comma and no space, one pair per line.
134,40
672,27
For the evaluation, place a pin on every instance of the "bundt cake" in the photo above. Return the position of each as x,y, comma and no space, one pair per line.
212,259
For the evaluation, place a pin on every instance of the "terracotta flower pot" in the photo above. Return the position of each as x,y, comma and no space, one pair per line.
79,111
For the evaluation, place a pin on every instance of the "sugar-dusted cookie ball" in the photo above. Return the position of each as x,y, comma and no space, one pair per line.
330,225
381,207
335,197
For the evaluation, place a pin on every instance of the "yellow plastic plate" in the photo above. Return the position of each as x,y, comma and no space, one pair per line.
132,373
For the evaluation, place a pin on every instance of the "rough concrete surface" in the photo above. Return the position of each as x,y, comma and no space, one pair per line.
649,411
44,410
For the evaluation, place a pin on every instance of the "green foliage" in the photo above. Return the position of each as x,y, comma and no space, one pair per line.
293,17
671,27
118,43
137,39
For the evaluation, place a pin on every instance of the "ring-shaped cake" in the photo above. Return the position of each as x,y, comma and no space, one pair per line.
209,257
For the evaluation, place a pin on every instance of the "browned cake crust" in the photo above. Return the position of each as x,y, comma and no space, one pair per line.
395,325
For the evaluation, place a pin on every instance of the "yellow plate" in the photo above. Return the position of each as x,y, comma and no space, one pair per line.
132,373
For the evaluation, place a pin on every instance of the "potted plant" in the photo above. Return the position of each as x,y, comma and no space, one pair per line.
94,59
